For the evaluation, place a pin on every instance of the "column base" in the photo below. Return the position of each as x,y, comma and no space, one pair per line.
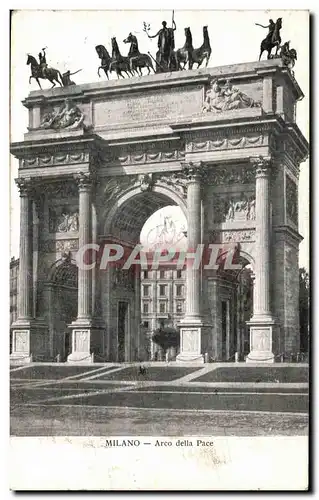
29,341
184,358
261,340
190,333
21,342
87,339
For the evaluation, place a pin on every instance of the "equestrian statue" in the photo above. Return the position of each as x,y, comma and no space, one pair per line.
42,70
273,38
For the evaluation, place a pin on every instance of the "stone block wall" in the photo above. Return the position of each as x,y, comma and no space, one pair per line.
285,293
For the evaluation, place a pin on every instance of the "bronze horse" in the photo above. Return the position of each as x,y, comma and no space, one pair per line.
138,60
203,53
269,43
184,55
119,63
106,59
50,74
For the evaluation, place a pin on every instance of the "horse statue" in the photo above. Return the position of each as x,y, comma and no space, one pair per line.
37,71
119,63
138,60
184,54
288,56
203,53
105,59
272,40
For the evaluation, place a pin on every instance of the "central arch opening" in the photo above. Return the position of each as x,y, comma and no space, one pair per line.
142,301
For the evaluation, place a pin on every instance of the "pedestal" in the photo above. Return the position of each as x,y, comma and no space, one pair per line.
87,337
261,341
191,336
30,341
21,343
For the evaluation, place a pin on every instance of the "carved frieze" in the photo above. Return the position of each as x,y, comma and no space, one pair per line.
152,153
63,220
234,236
50,160
291,200
234,208
232,175
61,246
225,143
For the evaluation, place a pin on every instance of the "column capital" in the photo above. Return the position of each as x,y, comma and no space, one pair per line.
193,171
262,165
84,180
24,186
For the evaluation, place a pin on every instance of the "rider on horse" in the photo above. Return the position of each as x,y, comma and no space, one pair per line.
43,62
134,45
271,26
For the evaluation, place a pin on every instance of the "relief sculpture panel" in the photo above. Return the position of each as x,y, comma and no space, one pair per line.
234,208
291,200
63,220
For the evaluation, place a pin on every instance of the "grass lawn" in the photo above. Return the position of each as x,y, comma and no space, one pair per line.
286,374
51,372
164,373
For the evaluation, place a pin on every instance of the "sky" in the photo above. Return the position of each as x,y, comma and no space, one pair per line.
71,36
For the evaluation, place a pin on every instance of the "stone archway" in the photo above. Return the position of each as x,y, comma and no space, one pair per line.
238,170
120,288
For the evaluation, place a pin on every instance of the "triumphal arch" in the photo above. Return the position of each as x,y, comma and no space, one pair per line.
98,159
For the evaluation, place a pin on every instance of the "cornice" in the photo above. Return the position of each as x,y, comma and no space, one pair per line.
292,233
71,144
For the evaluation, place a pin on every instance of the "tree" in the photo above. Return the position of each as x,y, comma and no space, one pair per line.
166,337
304,297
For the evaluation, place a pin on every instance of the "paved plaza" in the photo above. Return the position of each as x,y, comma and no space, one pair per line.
163,399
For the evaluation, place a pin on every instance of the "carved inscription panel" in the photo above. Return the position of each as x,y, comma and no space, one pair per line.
150,107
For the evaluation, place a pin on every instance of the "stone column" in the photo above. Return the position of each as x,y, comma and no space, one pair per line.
85,237
262,322
21,329
190,325
193,240
81,328
25,262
